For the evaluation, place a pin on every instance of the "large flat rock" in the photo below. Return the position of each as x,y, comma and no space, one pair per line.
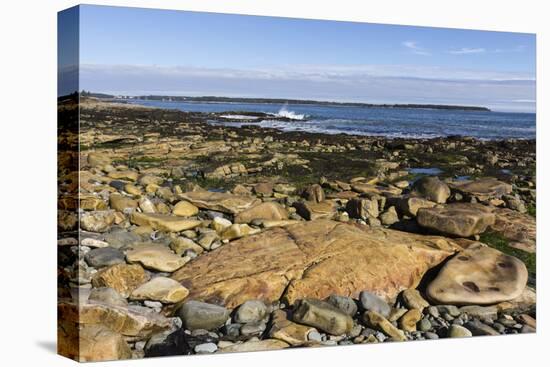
519,228
220,201
482,189
313,260
459,219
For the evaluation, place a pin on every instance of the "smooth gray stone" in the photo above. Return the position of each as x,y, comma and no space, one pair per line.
105,256
371,302
200,315
251,312
478,328
345,304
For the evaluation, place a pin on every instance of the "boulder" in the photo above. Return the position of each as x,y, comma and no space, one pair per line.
290,332
460,219
121,277
265,211
311,210
156,257
371,302
218,201
163,222
314,193
519,229
409,205
185,209
322,315
92,343
362,208
313,260
482,189
432,188
479,275
199,315
160,289
251,312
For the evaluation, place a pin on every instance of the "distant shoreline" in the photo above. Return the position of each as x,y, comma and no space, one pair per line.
215,99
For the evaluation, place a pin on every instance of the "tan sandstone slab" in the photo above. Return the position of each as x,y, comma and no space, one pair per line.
479,275
123,278
219,201
156,257
131,321
160,289
92,343
288,331
265,211
164,222
520,229
313,260
255,346
483,189
460,219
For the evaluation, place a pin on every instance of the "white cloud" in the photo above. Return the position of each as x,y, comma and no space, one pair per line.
415,49
467,50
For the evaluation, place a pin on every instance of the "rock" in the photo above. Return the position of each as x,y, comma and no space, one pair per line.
457,331
409,320
252,329
314,336
238,231
520,229
256,345
92,343
160,289
389,216
185,209
205,348
263,189
130,321
121,277
122,203
121,238
409,206
207,239
92,242
477,328
132,189
156,257
312,211
222,202
340,258
413,299
371,302
97,221
479,275
266,211
527,320
373,189
432,188
199,315
147,206
99,160
124,175
105,256
220,224
162,222
107,295
485,312
445,310
482,189
362,208
314,193
151,180
378,322
424,325
181,244
322,315
290,332
250,312
461,219
344,304
396,314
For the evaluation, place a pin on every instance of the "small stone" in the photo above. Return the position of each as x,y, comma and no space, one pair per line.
105,256
424,325
185,209
389,216
156,257
161,289
237,231
314,336
526,329
200,315
205,348
122,203
379,322
322,315
457,331
478,328
220,224
371,302
413,299
97,221
431,336
409,320
181,244
255,328
251,312
345,304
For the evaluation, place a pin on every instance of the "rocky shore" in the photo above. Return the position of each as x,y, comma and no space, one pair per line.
178,236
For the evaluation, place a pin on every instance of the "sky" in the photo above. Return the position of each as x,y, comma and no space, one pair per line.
134,51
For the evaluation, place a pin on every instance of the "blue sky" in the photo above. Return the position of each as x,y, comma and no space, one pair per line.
141,51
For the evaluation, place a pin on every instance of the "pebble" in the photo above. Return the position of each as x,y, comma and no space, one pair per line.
457,331
314,336
424,325
205,348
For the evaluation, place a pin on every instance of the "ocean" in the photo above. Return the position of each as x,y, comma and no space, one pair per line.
389,122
